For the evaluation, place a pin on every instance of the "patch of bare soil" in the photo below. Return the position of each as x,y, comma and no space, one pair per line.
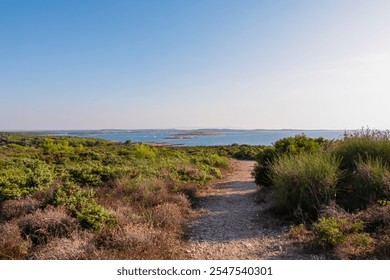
234,223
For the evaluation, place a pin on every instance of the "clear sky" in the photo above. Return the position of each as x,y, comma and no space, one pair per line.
91,64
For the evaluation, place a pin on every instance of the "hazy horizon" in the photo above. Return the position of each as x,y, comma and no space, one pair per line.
175,129
71,65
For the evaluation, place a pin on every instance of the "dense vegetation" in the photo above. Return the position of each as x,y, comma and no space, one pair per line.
80,198
339,191
66,198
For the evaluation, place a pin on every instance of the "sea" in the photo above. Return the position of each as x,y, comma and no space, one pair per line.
199,137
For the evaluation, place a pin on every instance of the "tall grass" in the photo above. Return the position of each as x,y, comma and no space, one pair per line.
363,145
304,181
365,161
289,145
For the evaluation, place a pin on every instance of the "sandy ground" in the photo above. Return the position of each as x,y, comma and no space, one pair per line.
233,223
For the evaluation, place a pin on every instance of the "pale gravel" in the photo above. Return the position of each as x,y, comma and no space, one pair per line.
233,222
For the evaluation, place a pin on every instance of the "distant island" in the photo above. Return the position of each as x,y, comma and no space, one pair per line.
192,134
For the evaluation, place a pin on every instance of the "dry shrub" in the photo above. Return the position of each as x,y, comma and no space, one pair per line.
190,192
113,238
355,246
12,245
382,250
179,199
152,192
77,246
125,214
188,172
138,242
43,225
14,208
111,194
376,218
377,222
335,211
167,216
300,233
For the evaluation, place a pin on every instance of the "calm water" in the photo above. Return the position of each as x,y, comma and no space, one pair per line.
222,137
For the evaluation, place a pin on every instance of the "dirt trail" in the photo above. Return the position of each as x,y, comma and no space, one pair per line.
234,224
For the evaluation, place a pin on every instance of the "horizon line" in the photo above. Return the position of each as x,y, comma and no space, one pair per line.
189,129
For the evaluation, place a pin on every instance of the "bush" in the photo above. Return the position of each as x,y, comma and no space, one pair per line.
167,215
247,152
82,205
14,208
330,232
66,248
201,176
304,181
289,145
12,245
42,226
370,181
365,161
145,151
297,144
23,177
94,174
261,170
217,161
361,146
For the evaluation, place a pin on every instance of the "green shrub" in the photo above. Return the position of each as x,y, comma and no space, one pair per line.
247,152
330,232
144,151
82,205
261,171
365,161
333,232
50,146
361,146
215,160
198,175
289,145
23,177
94,174
370,182
304,181
297,144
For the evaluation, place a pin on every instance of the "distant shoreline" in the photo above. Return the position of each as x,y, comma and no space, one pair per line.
199,131
197,137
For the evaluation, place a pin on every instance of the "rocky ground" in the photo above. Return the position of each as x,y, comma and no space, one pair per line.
233,222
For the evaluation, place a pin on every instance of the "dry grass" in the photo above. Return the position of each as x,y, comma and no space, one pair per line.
335,211
43,225
12,245
77,246
149,222
382,248
138,242
376,218
14,208
356,246
300,233
168,216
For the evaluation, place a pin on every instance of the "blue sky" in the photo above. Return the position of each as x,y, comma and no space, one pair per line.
91,64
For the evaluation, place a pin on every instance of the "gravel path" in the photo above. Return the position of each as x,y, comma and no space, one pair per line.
233,223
